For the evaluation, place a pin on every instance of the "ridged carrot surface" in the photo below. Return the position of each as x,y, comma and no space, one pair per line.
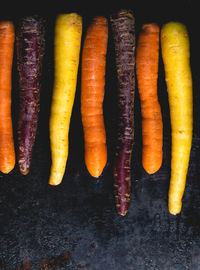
7,151
92,95
123,29
67,42
147,59
30,47
175,46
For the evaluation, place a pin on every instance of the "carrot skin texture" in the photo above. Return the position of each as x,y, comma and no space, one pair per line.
7,149
67,43
92,95
123,28
147,59
176,58
30,42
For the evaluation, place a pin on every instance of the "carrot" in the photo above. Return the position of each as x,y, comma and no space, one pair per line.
92,95
147,57
30,50
67,42
176,58
7,150
123,28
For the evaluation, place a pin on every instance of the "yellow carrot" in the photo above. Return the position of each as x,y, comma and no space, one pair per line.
68,32
176,58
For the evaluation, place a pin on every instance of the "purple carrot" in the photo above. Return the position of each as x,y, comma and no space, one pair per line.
30,41
123,28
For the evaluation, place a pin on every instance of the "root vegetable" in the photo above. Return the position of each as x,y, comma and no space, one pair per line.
7,150
123,28
30,41
92,95
147,59
176,58
68,32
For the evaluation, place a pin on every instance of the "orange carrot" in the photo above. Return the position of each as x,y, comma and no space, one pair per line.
147,57
92,95
7,152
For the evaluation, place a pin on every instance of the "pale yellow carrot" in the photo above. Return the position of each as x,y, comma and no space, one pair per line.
176,57
68,32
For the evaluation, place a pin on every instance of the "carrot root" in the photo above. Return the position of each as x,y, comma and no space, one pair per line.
30,50
92,95
147,59
7,150
123,27
176,58
67,42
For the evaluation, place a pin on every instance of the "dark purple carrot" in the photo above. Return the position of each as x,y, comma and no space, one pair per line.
30,42
123,28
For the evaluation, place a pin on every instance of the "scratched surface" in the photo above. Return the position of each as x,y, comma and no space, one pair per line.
75,225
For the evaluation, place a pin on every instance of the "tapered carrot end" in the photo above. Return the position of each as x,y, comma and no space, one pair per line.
151,160
174,202
7,169
122,205
96,172
175,207
54,181
122,199
151,169
7,164
122,213
55,177
24,172
96,159
24,167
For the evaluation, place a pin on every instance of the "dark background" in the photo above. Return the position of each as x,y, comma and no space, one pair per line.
75,225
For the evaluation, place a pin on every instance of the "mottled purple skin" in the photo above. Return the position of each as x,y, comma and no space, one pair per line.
123,28
30,42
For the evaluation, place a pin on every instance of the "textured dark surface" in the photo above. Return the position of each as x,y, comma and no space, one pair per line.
75,225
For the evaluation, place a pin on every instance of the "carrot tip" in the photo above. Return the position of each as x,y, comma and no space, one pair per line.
53,183
96,175
122,213
24,168
7,170
24,172
175,208
152,171
153,167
